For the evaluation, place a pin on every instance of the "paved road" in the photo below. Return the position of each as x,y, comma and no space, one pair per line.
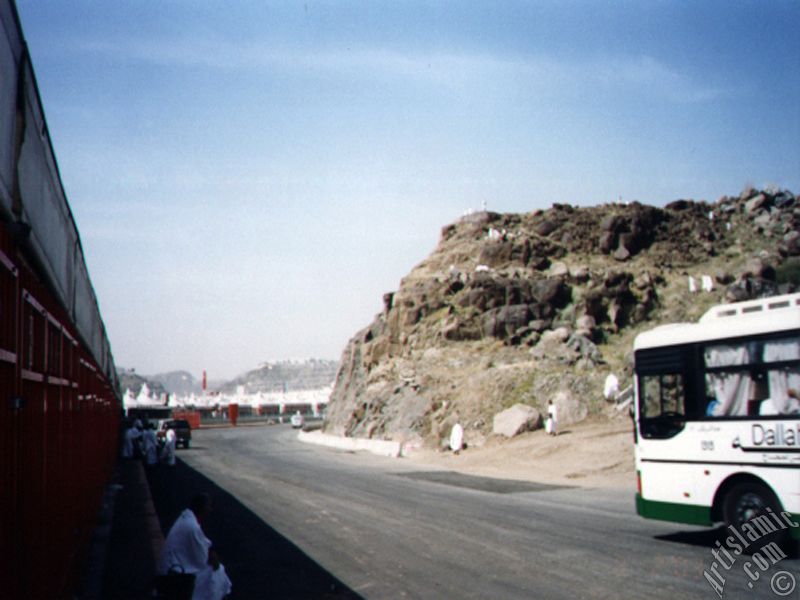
333,524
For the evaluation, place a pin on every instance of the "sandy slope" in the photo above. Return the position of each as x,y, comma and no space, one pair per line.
595,453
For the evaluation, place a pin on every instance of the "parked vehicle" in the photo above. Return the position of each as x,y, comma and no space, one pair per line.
297,420
183,431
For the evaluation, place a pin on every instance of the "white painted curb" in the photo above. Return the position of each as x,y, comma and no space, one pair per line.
379,447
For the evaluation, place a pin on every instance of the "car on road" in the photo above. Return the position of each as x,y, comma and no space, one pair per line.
297,420
183,431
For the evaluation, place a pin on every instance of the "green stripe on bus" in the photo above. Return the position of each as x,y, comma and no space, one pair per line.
670,511
794,532
689,513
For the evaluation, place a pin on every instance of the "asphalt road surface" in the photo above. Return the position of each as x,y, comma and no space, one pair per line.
299,521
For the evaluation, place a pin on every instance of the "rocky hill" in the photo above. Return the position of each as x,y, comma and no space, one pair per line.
129,379
524,308
285,375
181,383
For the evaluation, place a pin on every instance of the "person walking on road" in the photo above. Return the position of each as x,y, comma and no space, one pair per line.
150,445
168,451
130,441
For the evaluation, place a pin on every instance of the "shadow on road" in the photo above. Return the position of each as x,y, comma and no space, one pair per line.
260,562
714,538
705,538
483,484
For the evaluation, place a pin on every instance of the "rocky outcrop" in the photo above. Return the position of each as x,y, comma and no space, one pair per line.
515,420
533,307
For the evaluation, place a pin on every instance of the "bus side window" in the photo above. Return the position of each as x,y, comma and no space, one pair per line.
782,382
652,395
730,385
673,395
664,395
712,404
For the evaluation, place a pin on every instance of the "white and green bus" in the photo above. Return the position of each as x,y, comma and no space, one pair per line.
717,415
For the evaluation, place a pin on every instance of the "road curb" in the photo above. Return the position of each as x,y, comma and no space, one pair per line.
152,525
379,447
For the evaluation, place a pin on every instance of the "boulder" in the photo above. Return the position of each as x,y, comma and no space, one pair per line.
723,277
613,223
551,291
784,200
545,228
750,288
580,273
569,408
607,241
759,268
748,192
515,420
586,325
539,325
503,322
755,203
558,335
621,253
457,330
496,254
791,243
584,348
762,220
558,269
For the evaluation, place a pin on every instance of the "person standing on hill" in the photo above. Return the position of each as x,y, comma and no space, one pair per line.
551,423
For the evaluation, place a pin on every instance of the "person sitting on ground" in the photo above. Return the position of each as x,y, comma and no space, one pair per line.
188,550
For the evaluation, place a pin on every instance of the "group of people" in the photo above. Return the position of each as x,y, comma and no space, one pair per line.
141,441
187,551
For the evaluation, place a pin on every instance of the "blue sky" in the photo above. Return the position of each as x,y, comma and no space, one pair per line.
249,178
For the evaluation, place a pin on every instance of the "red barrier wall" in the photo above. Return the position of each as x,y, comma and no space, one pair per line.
59,421
192,416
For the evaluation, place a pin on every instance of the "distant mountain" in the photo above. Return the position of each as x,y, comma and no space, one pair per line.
181,383
270,377
129,379
285,375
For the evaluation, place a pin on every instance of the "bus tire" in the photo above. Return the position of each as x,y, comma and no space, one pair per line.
748,500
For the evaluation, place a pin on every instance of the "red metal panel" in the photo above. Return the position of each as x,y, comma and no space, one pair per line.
192,416
9,386
57,445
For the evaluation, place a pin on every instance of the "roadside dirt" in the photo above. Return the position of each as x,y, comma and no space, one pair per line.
597,452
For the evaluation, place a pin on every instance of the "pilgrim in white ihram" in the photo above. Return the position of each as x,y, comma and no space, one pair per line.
188,550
